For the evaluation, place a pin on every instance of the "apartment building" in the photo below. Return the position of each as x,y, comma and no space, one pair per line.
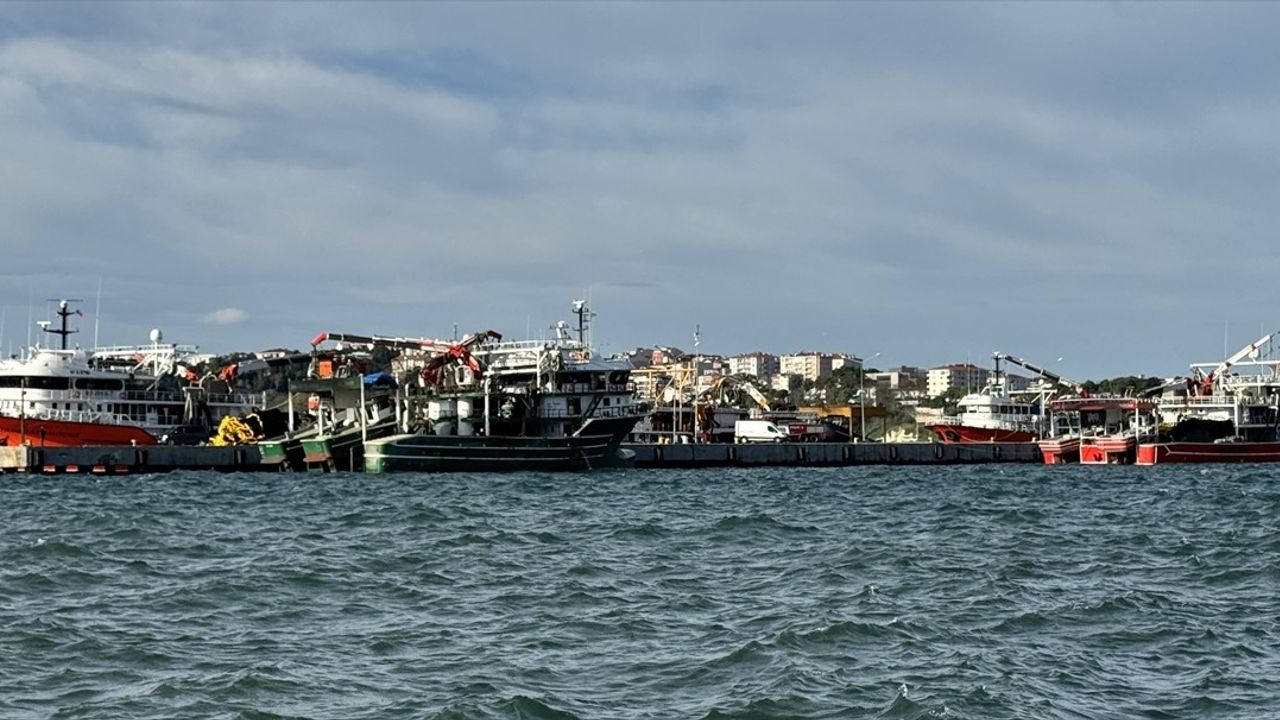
967,377
755,364
809,366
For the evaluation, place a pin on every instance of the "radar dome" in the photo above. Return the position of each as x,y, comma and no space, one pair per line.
156,335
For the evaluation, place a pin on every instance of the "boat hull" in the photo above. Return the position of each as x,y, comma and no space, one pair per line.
344,451
1208,452
1060,451
597,445
959,434
1108,451
63,433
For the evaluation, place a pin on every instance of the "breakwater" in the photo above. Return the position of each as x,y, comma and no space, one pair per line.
119,460
830,454
248,458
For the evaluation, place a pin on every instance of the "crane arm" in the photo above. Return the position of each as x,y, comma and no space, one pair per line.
1047,374
394,342
234,370
1241,354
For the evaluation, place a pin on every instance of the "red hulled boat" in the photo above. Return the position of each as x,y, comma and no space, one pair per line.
1222,413
124,395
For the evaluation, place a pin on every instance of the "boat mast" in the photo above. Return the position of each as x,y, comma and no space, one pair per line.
584,319
64,312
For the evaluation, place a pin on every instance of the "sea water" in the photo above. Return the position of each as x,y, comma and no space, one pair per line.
958,592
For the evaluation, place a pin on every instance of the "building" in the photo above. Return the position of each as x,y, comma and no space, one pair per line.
809,366
666,355
967,377
756,364
843,360
904,383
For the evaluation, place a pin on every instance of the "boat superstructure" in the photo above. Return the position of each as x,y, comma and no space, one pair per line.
117,395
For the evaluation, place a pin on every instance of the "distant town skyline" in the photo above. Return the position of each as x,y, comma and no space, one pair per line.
931,182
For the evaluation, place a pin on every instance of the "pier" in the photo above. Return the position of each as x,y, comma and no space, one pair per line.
830,454
121,460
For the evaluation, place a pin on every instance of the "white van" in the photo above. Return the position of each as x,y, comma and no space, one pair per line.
745,431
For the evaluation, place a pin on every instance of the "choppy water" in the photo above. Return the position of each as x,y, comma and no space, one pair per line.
980,592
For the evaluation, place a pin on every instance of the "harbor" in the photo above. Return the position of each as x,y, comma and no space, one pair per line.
360,402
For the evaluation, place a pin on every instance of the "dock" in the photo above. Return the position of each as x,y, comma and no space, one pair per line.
830,454
123,460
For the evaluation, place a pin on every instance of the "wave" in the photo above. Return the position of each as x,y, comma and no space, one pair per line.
759,522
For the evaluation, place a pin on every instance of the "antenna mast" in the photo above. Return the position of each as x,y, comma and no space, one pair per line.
64,312
584,319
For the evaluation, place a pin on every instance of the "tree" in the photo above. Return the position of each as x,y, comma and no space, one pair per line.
1125,385
948,398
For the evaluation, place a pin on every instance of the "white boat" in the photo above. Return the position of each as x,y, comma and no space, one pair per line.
117,395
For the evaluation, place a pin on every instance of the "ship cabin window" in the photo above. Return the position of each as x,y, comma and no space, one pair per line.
36,382
606,402
99,384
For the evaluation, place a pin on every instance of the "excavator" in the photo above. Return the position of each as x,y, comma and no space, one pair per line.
718,394
723,385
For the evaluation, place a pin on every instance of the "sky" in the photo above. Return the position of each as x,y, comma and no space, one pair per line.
1090,186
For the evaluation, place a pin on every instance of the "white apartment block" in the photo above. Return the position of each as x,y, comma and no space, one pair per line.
809,366
756,364
970,378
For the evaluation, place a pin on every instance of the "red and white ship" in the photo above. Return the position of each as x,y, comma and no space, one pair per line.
1102,430
1222,413
121,395
992,414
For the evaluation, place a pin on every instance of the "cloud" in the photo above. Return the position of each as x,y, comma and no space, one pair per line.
922,181
225,316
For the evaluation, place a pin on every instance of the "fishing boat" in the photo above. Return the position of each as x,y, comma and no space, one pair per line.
993,414
120,395
484,404
1221,413
1096,430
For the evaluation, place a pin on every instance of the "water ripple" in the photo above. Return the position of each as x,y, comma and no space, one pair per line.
967,592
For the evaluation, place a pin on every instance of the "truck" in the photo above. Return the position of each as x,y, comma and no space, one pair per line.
749,431
814,431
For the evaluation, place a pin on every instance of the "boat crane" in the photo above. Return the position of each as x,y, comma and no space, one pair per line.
1044,373
443,352
1207,381
228,373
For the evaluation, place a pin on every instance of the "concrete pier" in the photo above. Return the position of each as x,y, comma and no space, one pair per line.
111,460
248,458
827,454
